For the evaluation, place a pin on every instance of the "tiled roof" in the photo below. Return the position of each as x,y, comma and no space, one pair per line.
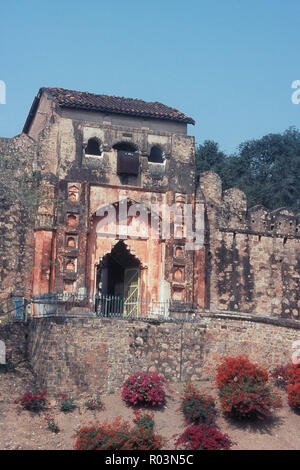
115,104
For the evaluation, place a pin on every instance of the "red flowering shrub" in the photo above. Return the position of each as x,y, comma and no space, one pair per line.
293,387
103,436
288,377
143,388
119,435
33,401
243,389
238,370
248,400
294,395
197,407
143,419
282,375
203,437
293,372
142,436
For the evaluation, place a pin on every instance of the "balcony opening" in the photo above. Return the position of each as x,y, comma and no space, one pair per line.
128,158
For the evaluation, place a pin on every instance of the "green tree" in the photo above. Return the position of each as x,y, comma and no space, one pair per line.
266,169
272,170
209,157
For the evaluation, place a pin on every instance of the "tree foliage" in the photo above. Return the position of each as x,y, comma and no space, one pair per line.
266,169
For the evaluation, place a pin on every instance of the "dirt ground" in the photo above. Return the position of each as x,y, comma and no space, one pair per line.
22,430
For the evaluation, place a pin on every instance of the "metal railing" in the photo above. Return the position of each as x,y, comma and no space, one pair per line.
14,310
106,306
114,306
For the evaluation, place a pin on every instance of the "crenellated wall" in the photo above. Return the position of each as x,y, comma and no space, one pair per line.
252,254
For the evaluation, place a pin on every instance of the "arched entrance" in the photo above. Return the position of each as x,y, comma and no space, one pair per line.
118,282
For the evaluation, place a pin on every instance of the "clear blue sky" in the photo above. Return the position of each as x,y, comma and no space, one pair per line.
227,63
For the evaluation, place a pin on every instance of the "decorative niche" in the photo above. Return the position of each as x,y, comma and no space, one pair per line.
73,192
178,294
69,286
71,242
72,220
178,274
179,251
71,265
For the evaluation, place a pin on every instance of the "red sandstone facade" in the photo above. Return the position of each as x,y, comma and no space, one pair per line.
99,154
139,155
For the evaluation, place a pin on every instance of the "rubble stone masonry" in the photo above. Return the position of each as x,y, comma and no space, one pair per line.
16,238
252,254
89,355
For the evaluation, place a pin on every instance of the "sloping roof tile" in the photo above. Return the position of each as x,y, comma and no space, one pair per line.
115,104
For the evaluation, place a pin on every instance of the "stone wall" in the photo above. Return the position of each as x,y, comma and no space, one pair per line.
16,238
252,254
89,355
79,355
15,337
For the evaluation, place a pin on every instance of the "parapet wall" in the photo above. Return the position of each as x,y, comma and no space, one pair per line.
89,355
252,254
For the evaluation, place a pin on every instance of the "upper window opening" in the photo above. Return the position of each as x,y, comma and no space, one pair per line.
156,155
125,146
93,147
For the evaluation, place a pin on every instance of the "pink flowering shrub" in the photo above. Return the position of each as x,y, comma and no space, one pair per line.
145,389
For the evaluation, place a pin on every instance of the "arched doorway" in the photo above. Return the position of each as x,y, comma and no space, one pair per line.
118,282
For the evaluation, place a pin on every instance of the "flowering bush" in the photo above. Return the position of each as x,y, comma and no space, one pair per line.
119,435
52,426
142,435
238,370
288,378
144,389
203,437
282,375
33,401
293,387
103,436
243,389
197,407
248,400
293,372
143,419
94,404
294,395
67,404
